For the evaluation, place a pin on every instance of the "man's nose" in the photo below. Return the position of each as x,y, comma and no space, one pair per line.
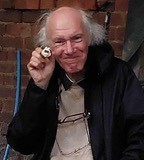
69,47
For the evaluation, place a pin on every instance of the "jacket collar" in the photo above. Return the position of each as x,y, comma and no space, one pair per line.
67,83
99,59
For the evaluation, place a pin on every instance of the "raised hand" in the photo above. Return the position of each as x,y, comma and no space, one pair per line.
40,68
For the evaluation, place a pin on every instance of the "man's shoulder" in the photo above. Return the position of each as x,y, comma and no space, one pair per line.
121,63
122,66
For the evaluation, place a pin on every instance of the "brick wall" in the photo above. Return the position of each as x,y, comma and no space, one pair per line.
17,29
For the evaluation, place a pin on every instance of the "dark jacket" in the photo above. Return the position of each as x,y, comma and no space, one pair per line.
114,98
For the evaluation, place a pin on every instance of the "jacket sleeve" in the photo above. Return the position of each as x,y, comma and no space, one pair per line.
26,131
133,106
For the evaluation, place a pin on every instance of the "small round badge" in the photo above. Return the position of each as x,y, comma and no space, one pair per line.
46,52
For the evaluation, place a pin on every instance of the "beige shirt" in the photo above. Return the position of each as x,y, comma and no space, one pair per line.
72,139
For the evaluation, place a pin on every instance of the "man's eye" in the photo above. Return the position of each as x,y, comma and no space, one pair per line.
59,42
77,38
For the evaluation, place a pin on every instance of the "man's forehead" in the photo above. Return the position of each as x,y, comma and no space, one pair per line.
65,12
65,18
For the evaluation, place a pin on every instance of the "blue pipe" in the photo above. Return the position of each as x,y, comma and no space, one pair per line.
17,97
18,85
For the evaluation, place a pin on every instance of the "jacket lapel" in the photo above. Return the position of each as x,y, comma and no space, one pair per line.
93,103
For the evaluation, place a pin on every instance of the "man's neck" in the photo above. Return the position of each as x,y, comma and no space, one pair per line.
75,77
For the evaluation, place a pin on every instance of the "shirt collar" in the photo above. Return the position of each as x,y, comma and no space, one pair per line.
67,83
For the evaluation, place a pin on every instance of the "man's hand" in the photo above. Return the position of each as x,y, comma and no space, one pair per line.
40,68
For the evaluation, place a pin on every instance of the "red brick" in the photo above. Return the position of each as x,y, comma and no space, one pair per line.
119,34
8,105
15,42
9,79
27,4
24,69
1,79
20,30
1,49
7,67
1,44
7,4
116,33
10,16
118,19
26,55
30,16
10,54
28,43
47,4
1,105
118,47
121,5
24,80
7,92
6,118
35,30
2,28
111,33
3,56
84,4
99,17
1,4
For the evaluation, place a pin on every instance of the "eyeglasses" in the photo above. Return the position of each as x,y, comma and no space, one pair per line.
69,122
72,121
75,117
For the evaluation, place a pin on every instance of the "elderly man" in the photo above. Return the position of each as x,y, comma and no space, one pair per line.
81,103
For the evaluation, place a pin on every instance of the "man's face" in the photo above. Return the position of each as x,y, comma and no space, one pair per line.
69,43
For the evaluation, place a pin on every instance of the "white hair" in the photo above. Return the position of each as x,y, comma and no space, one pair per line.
96,32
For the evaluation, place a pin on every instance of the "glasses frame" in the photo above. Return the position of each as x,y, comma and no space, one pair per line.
65,120
84,118
84,115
